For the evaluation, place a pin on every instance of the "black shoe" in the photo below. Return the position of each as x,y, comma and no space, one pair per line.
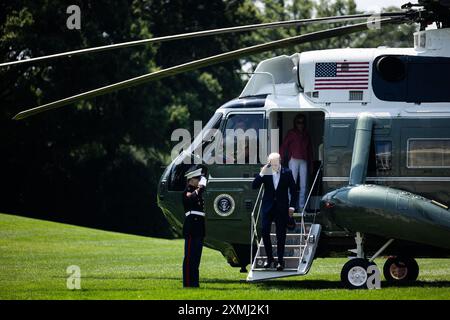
268,264
280,266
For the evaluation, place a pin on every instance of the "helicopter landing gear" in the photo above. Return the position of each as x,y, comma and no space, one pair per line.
354,272
400,270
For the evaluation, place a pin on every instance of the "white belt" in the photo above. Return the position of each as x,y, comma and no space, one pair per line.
199,213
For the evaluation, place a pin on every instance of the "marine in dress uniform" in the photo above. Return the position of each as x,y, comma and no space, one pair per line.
194,226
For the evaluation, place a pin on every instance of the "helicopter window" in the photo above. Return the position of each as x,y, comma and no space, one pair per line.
383,155
177,181
204,137
242,138
428,153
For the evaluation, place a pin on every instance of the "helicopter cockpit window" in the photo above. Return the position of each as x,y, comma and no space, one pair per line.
428,153
205,137
177,181
241,134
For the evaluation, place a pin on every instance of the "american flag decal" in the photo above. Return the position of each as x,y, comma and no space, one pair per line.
341,76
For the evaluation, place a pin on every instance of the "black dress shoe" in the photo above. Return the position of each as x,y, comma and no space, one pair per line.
280,266
268,264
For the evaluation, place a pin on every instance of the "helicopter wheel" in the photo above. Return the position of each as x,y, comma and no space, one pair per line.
354,273
400,270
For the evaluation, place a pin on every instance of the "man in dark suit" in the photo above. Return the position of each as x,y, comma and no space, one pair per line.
276,206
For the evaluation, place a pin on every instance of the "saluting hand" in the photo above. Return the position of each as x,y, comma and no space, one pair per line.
291,212
265,168
202,182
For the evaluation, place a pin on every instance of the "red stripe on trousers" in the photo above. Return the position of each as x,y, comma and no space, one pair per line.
187,263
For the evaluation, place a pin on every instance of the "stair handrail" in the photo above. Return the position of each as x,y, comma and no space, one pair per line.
254,222
302,223
302,215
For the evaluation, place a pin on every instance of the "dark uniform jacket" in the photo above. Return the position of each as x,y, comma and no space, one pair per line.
279,196
194,225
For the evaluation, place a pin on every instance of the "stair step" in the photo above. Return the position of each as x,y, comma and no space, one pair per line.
264,257
293,265
261,245
289,262
291,239
307,212
296,230
272,270
294,251
292,234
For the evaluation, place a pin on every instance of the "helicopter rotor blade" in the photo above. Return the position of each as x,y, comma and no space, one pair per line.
208,61
270,25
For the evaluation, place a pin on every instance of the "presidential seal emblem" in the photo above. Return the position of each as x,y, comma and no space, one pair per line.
224,205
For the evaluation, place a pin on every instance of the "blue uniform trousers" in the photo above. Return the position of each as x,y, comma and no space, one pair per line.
192,254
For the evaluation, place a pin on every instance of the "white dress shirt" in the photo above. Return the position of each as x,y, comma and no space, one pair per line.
276,179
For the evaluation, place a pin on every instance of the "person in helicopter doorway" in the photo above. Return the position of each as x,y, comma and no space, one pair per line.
194,225
297,149
276,206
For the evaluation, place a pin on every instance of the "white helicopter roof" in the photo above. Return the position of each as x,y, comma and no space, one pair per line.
279,78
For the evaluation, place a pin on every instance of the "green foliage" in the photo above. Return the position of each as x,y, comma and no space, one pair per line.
98,162
178,116
273,10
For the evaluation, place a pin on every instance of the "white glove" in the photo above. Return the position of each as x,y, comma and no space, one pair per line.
265,170
203,181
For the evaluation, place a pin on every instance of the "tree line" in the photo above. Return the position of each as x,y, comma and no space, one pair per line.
97,163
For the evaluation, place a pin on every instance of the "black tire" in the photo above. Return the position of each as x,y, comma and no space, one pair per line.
354,273
400,270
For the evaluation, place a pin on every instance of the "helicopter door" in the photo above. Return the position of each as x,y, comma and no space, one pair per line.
230,195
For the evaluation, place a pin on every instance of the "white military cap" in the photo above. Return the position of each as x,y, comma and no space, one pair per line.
193,173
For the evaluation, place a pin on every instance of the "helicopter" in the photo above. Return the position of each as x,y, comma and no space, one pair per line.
379,123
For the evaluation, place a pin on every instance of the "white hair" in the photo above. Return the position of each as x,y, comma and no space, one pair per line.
273,156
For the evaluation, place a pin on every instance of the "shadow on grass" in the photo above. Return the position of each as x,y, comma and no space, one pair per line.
418,284
299,284
206,280
156,278
277,284
328,284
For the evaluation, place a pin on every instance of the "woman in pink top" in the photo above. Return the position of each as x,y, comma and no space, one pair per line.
297,148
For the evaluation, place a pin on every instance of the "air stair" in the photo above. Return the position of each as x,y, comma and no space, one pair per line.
300,246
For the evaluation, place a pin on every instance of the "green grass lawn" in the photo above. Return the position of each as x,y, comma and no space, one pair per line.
34,255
